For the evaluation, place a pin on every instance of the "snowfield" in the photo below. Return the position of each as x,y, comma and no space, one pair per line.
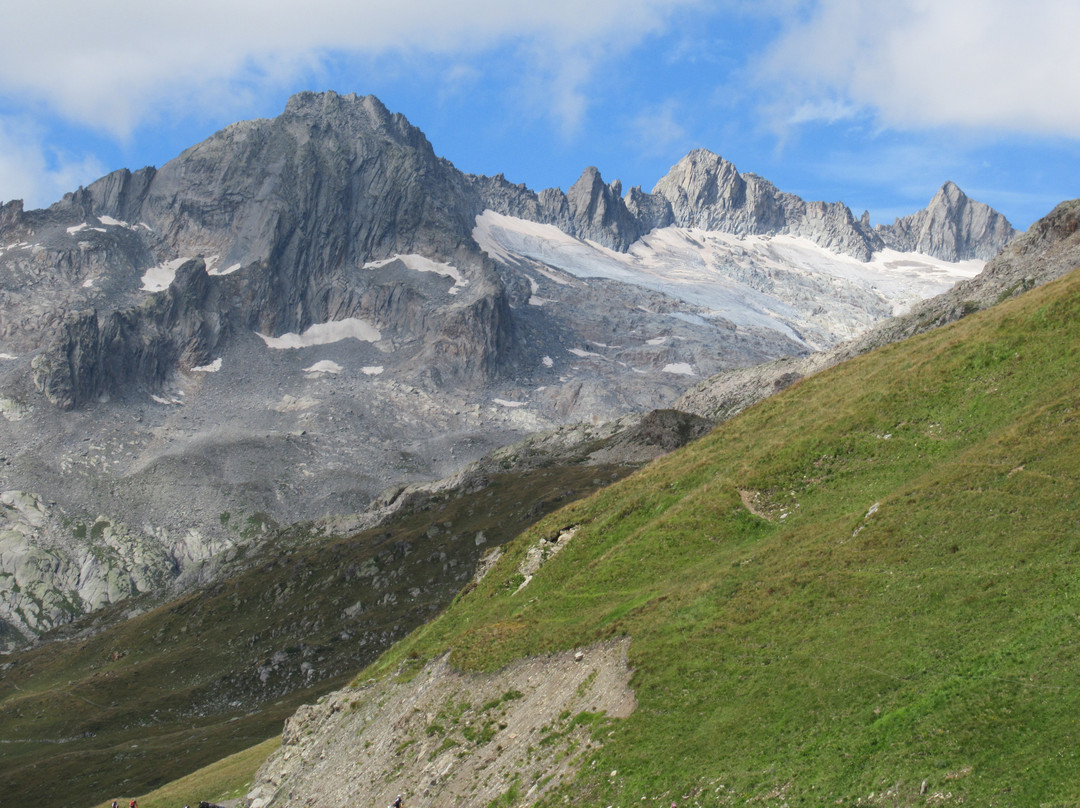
324,366
160,278
419,263
324,334
784,283
213,367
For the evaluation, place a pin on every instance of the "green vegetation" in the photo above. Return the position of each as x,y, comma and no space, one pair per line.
902,605
128,708
229,778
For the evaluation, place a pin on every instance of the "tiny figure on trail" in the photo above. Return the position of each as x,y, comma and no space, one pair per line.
133,803
397,802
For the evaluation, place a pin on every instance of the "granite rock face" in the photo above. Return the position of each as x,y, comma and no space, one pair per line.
705,191
91,359
953,227
306,199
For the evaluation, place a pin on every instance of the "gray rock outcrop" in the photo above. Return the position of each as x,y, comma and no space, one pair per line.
53,569
92,358
952,227
362,745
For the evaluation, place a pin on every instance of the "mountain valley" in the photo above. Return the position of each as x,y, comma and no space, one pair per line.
307,393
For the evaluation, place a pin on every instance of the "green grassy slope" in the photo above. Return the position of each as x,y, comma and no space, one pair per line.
904,605
155,697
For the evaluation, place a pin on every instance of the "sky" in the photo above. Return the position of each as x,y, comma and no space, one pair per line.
871,103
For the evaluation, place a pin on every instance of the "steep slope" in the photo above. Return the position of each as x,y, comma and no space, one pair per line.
863,589
294,616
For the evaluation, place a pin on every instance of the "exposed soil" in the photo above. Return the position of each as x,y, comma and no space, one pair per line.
447,738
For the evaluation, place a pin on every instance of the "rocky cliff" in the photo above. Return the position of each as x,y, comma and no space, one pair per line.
952,227
142,345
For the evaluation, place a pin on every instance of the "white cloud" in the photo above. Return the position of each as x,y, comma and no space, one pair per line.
112,66
997,64
34,173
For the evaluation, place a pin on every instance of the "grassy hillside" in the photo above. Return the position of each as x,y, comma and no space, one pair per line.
866,588
122,711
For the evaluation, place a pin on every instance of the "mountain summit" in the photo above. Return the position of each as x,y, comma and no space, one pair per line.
952,227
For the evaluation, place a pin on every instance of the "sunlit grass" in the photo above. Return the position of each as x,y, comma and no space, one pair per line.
905,609
227,779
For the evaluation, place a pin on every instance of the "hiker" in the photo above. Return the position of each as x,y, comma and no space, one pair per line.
397,802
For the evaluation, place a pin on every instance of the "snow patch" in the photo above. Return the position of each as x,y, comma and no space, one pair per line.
372,370
324,366
584,354
229,270
7,356
548,362
656,341
88,283
111,222
534,299
160,278
213,367
324,334
680,369
502,402
164,400
419,263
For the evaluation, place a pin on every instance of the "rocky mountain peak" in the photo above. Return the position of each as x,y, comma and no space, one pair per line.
705,190
351,114
699,182
953,227
598,211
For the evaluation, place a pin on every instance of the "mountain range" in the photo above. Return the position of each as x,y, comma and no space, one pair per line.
297,313
212,369
942,421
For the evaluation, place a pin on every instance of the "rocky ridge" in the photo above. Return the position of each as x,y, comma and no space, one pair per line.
705,191
952,227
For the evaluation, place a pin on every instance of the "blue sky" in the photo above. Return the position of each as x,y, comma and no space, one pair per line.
872,103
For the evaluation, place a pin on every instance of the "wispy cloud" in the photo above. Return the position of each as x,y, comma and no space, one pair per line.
657,129
113,66
988,64
37,174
